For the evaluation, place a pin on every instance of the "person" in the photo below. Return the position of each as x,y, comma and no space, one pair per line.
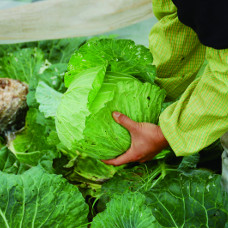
187,33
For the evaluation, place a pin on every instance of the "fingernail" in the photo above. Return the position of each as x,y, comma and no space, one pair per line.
116,114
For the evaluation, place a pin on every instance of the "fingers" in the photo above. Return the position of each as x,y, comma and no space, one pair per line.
125,121
122,159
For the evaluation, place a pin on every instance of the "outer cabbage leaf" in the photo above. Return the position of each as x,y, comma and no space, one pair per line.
30,144
60,51
38,199
123,211
189,162
74,173
138,178
183,198
22,64
9,163
89,174
73,110
122,56
52,75
48,99
56,51
189,199
92,169
8,48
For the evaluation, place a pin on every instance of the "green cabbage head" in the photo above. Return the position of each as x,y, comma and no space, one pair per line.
97,87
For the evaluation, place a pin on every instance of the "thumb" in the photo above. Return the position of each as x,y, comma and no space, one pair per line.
125,121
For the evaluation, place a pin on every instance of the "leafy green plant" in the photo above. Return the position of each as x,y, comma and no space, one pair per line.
39,199
84,117
31,144
51,174
181,197
128,210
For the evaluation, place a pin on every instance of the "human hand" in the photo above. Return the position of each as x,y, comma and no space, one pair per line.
147,140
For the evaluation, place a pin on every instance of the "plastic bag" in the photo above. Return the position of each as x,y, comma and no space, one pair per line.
53,19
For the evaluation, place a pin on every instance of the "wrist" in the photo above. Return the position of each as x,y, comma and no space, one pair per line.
162,140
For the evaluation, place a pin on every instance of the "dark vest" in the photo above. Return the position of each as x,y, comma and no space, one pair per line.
209,19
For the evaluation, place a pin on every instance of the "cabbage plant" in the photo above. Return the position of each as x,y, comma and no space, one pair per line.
103,77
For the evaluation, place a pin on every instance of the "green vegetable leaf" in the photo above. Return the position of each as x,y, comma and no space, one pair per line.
74,107
38,199
52,75
139,178
127,210
9,163
23,64
48,99
30,144
91,169
56,51
187,199
5,49
189,162
122,56
60,51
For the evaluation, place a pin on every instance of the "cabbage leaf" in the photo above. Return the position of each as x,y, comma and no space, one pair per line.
123,56
38,199
127,210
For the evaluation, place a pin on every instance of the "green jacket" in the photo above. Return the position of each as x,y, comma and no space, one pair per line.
200,115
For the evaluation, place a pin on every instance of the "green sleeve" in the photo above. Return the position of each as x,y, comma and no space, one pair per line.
201,115
178,54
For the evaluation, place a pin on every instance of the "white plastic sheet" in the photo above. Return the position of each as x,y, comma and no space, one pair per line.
53,19
6,4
